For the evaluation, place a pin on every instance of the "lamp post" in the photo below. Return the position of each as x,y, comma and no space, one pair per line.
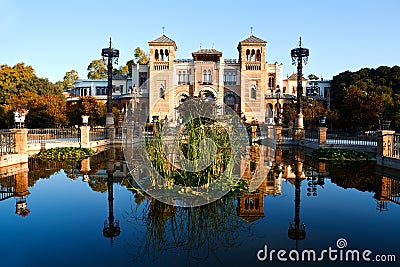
112,55
299,56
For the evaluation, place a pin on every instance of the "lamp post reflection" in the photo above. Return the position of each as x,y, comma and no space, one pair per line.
111,227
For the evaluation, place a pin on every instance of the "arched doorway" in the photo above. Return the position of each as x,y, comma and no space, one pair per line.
232,100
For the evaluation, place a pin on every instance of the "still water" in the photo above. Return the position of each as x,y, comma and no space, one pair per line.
57,214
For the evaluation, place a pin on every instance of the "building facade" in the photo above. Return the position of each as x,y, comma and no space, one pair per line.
250,85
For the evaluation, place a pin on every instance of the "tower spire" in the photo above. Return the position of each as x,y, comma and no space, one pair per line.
251,30
163,29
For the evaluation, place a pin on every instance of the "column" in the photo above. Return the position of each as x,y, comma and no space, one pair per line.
322,135
384,143
85,136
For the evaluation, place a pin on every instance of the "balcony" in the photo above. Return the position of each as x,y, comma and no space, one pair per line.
161,65
253,65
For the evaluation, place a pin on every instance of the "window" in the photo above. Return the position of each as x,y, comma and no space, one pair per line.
253,91
188,76
248,55
179,77
142,78
204,76
162,91
209,76
156,55
271,81
101,90
184,77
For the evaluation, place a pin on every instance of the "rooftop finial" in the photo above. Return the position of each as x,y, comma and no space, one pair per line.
110,42
200,45
251,30
300,42
212,45
163,28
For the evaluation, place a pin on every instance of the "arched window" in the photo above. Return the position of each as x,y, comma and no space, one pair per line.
234,76
179,77
162,91
258,55
166,55
184,77
156,55
162,55
229,77
253,91
253,55
209,76
188,76
248,55
204,76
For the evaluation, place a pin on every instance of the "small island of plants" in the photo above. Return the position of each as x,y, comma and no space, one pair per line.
339,155
64,153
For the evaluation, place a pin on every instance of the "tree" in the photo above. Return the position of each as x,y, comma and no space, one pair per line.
140,56
97,69
70,78
87,105
129,64
313,77
364,97
11,77
44,111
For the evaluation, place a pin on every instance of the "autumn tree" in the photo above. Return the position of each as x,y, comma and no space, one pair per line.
47,111
87,105
140,56
97,69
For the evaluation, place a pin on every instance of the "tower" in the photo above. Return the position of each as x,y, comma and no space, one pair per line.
161,95
252,52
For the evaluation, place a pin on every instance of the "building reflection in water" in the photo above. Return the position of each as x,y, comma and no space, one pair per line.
198,231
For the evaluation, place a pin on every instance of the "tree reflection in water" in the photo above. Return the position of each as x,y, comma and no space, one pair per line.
198,231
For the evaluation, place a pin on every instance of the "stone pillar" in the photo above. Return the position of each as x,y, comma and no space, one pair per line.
384,143
85,136
110,126
85,165
322,135
278,133
21,141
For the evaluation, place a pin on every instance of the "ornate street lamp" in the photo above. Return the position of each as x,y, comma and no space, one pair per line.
112,55
299,56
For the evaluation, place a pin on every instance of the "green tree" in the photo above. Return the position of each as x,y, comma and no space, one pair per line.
129,64
11,77
140,56
313,77
364,97
70,78
97,69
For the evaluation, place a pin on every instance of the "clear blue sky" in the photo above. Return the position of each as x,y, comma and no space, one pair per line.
57,36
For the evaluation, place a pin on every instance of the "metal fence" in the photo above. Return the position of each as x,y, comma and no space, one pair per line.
311,135
98,133
346,137
54,135
7,142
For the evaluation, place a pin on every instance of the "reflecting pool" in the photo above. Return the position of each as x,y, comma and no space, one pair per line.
91,213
